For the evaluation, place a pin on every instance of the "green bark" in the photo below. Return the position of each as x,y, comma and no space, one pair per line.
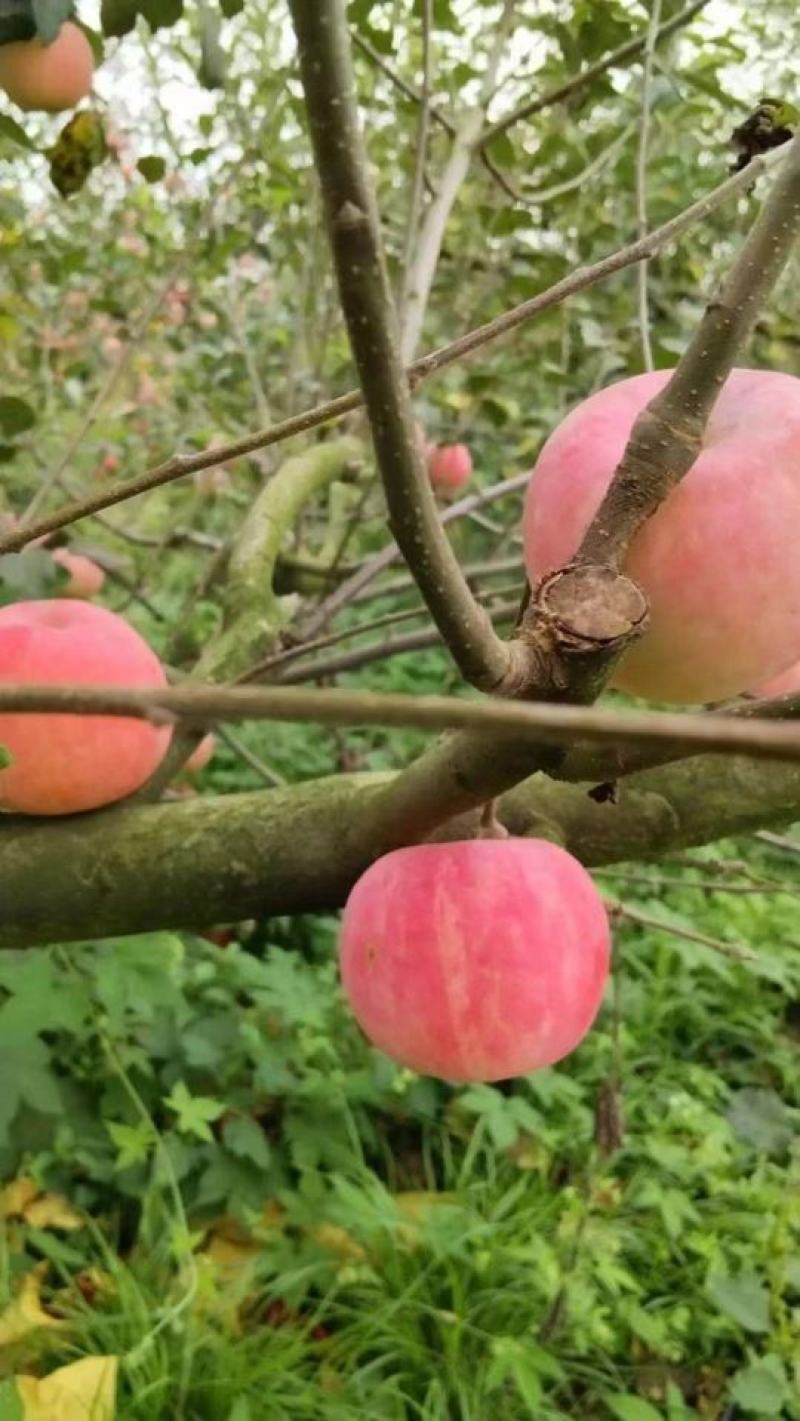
299,848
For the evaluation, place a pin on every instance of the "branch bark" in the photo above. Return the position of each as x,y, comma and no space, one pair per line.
366,298
199,862
667,436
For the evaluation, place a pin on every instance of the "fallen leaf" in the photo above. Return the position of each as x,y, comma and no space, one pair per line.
25,1313
82,1391
16,1197
52,1211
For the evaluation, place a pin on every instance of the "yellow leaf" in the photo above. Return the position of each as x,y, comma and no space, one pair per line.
26,1314
83,1391
337,1240
52,1211
16,1197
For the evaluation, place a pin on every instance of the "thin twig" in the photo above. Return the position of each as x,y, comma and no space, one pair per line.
420,154
543,722
641,180
728,949
617,57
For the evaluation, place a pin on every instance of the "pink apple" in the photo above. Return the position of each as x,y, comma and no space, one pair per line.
449,467
62,764
475,960
718,561
86,577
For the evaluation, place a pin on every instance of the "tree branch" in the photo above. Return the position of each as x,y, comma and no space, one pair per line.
353,230
667,436
533,722
199,862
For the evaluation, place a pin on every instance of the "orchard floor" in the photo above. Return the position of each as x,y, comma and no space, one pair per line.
213,1180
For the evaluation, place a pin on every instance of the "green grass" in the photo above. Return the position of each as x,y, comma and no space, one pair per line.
549,1280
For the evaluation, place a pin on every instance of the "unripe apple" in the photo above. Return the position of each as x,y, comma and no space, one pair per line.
449,467
86,577
475,960
63,764
786,684
200,757
718,560
49,77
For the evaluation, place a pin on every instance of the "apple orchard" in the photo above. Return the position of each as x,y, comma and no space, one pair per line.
399,530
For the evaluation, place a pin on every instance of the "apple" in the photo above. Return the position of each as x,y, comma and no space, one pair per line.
786,684
475,960
200,757
449,467
63,764
718,560
86,577
49,77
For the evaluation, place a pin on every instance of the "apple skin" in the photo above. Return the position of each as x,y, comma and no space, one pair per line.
718,560
86,578
64,764
48,78
787,684
475,960
200,757
449,467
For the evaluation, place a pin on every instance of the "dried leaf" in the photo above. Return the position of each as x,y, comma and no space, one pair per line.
83,1391
25,1313
16,1197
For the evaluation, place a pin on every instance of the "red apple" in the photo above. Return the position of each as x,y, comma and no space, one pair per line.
62,764
449,467
86,578
718,560
49,77
478,960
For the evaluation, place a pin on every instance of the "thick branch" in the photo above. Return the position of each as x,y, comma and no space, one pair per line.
254,613
199,862
353,229
667,436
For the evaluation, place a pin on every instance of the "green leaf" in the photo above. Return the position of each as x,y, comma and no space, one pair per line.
745,1299
762,1119
194,1111
133,1142
16,21
152,168
230,8
15,133
628,1407
118,17
15,415
245,1138
28,576
161,14
11,1408
763,1387
50,16
6,758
